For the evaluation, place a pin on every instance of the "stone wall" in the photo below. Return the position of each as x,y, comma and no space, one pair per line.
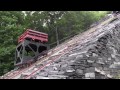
99,58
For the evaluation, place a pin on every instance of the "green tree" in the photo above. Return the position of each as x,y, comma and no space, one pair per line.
10,28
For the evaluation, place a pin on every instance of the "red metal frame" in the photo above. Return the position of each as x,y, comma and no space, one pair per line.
34,35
